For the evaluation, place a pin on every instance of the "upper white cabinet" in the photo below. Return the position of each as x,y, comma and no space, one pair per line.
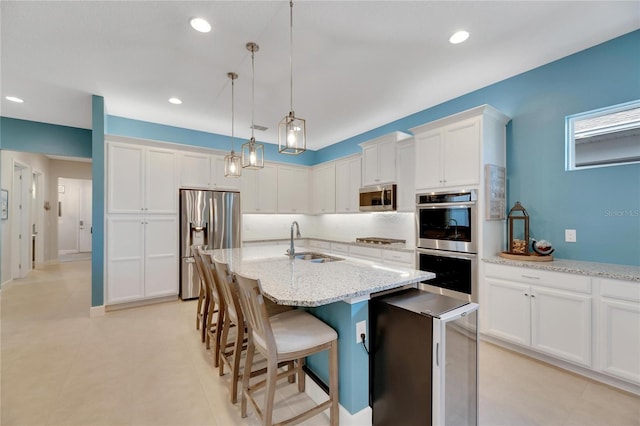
200,170
259,190
405,172
293,189
195,170
452,151
348,178
379,159
141,179
218,180
323,188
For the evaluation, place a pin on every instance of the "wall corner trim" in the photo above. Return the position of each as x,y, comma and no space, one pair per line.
96,311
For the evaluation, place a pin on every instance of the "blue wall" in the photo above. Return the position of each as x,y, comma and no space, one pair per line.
97,203
602,204
159,132
43,138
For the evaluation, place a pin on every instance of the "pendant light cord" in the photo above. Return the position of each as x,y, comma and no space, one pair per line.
291,50
253,92
232,112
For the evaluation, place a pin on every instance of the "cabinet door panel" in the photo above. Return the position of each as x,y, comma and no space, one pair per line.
267,189
161,256
323,192
387,162
561,324
195,170
219,181
428,166
161,192
461,153
509,311
405,172
125,168
125,259
620,334
370,166
293,190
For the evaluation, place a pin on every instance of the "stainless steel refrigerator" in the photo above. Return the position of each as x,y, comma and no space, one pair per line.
207,218
424,360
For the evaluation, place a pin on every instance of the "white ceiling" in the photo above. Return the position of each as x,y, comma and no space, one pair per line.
357,64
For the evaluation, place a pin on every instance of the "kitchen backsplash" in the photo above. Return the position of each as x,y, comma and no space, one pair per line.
340,227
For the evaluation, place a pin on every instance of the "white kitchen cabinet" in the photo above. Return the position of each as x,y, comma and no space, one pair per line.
451,152
195,170
141,179
549,312
347,184
293,189
619,329
379,159
399,258
259,189
142,257
218,180
323,188
405,172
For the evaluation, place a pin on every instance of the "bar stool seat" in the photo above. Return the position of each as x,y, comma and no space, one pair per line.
296,331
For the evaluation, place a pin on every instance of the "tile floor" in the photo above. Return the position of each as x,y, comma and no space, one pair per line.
146,366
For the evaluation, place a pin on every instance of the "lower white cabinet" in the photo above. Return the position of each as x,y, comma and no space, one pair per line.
546,311
142,257
619,329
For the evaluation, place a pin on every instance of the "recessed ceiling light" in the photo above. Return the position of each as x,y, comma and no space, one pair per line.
458,37
14,99
175,101
201,25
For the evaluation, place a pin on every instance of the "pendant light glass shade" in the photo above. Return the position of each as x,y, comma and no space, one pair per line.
292,130
232,161
252,152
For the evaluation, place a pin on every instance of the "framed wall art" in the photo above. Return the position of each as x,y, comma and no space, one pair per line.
495,192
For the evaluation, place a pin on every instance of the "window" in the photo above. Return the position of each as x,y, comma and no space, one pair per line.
603,137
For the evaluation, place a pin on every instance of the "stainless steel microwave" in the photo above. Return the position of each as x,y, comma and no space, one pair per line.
380,198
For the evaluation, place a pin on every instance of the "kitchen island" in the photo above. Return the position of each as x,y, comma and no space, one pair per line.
337,292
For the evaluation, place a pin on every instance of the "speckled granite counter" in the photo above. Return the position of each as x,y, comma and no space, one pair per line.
304,283
395,247
593,269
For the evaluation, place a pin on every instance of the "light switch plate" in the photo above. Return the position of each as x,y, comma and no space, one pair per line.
570,235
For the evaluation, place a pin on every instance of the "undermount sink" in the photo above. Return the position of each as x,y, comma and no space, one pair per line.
316,257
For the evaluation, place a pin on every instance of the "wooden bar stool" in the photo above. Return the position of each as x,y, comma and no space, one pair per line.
291,335
202,309
211,331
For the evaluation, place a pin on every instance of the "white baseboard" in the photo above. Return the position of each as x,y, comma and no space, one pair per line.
361,418
96,311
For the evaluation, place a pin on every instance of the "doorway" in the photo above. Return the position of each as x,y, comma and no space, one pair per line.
74,218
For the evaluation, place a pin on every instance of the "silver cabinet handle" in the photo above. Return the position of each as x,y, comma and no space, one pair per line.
530,277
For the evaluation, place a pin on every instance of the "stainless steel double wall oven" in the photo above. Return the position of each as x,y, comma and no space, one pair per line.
447,241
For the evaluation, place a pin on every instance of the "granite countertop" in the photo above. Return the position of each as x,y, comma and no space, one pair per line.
305,283
394,247
592,269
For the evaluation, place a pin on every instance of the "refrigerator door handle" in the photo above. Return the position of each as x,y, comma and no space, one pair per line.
438,354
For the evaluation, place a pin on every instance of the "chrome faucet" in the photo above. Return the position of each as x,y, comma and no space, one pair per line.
455,227
292,250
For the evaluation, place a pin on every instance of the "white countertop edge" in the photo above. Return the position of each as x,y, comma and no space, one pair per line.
579,267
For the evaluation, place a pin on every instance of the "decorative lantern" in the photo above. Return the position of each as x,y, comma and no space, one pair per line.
518,235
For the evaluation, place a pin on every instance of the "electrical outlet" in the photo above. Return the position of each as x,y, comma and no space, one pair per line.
361,328
570,235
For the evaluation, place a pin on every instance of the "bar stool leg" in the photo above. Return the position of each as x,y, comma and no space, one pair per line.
334,412
270,391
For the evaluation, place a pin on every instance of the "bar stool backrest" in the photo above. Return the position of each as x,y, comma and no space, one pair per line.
255,314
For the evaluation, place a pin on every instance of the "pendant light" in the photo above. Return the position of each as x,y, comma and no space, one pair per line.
232,161
252,152
292,130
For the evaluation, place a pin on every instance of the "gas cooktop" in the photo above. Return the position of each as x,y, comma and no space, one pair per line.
377,240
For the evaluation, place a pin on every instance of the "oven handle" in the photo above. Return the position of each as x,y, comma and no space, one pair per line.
438,205
454,254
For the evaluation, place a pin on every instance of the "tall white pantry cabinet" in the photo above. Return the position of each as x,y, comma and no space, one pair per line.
141,222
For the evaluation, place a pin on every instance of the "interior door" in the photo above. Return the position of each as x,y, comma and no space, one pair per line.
19,216
84,217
